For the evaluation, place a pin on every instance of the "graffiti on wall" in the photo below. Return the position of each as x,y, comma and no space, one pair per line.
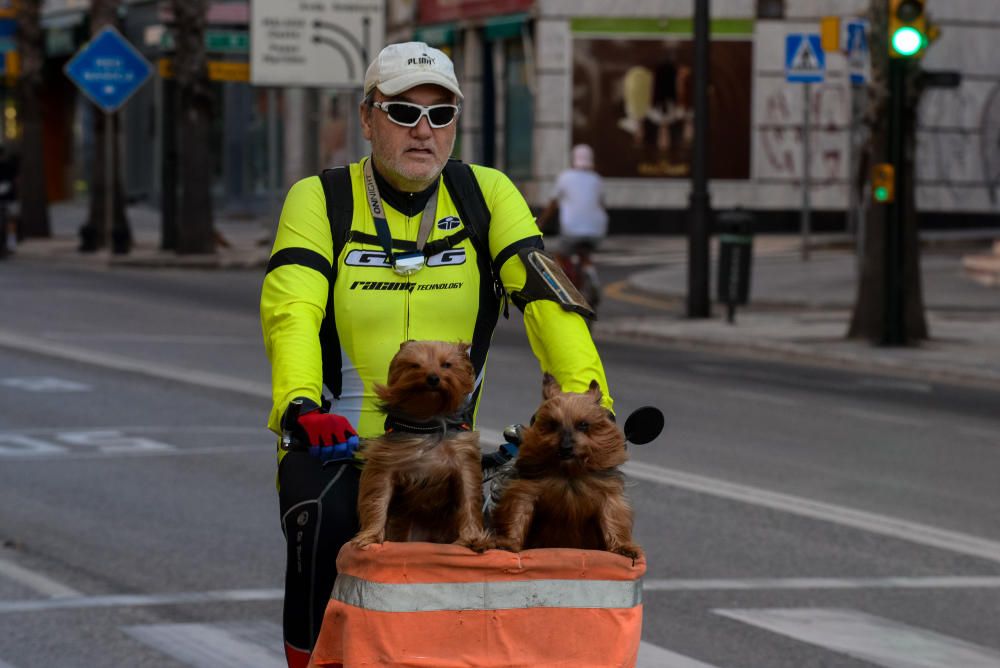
953,154
781,133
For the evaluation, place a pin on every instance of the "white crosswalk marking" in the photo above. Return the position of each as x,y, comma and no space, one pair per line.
880,641
651,656
229,645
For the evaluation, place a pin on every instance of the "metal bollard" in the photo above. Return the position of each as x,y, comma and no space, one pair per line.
734,229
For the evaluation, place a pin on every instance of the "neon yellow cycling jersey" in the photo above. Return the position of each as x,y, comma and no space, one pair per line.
375,309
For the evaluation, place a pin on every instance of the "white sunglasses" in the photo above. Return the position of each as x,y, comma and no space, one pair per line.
408,114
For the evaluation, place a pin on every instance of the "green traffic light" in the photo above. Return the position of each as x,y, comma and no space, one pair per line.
881,194
907,41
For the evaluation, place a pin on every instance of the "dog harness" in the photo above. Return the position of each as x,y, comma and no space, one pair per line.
395,425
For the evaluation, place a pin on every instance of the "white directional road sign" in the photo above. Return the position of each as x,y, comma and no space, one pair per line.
326,43
805,60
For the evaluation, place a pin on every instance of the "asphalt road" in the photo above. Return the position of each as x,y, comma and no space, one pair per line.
791,516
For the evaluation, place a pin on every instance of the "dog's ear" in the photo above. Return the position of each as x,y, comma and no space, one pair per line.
405,343
464,347
550,386
595,391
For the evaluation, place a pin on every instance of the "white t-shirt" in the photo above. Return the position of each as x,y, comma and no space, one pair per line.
579,192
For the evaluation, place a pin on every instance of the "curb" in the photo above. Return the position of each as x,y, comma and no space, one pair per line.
792,353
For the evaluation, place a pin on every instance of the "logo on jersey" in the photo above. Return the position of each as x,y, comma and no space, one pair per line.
447,258
448,223
371,258
366,258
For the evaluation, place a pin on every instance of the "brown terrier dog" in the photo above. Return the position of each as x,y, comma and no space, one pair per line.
423,480
568,491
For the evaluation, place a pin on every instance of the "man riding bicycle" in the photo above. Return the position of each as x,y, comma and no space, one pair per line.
403,244
583,221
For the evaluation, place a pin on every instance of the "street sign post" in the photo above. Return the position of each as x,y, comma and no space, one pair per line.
805,63
314,43
108,70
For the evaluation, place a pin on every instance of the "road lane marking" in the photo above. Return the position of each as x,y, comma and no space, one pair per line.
227,645
895,384
877,640
243,449
880,417
884,525
36,582
185,339
651,656
754,584
129,365
620,291
239,645
152,429
762,397
44,384
142,600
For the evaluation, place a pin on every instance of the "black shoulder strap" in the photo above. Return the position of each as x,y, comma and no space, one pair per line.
468,197
475,214
339,208
340,212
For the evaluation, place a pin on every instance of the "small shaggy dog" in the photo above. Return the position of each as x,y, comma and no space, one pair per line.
568,491
422,480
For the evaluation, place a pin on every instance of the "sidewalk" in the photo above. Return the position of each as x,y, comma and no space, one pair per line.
799,310
248,239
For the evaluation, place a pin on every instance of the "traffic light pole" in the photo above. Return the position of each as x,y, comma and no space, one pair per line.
895,321
700,211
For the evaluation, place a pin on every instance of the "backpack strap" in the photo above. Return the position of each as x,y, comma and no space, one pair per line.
339,195
475,214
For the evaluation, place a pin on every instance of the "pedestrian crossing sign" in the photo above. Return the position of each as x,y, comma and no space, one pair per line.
805,59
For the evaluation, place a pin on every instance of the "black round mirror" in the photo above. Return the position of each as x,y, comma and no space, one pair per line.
643,425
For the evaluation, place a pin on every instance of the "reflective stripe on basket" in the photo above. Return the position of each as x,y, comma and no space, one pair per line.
426,597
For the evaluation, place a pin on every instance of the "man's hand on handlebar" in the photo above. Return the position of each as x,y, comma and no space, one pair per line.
327,436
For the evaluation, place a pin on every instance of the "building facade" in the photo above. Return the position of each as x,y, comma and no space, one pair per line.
542,75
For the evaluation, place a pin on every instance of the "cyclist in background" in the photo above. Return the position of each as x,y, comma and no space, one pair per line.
583,220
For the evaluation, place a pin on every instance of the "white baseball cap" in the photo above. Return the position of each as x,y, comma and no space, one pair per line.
400,67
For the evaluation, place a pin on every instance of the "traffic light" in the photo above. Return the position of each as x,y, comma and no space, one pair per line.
884,183
907,28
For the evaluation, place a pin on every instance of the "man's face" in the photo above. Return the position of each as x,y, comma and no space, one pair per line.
409,158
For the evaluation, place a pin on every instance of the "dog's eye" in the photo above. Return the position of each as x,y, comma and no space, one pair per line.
446,365
582,426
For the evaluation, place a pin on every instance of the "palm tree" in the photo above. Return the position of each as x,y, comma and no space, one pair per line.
34,203
193,117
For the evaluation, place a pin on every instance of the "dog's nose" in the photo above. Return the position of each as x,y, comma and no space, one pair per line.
433,380
566,447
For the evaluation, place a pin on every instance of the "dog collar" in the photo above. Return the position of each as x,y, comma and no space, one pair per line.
396,425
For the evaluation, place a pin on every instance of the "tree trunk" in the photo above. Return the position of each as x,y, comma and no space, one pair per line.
94,232
34,220
870,319
194,230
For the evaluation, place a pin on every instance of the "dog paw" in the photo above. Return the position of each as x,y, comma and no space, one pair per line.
504,543
478,542
630,550
361,541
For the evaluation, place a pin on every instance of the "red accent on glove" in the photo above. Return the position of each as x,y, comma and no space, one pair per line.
326,428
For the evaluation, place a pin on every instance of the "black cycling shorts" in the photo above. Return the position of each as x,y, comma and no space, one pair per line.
318,515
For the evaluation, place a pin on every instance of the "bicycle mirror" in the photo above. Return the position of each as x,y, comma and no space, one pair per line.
643,425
